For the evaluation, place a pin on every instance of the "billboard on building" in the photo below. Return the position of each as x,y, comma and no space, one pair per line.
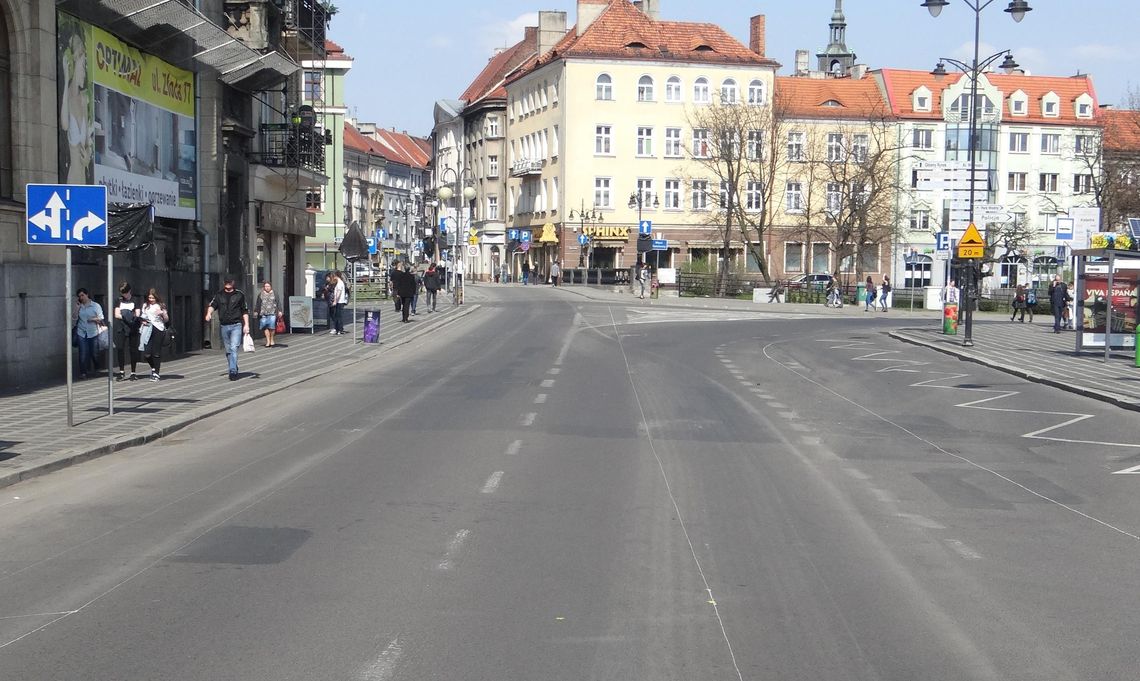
126,120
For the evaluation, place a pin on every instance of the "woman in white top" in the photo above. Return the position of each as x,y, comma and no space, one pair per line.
154,320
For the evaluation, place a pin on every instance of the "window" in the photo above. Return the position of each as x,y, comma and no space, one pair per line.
645,190
1047,222
922,103
1049,107
554,142
1051,144
961,106
312,85
1082,184
7,186
753,196
604,87
834,197
673,142
755,144
922,138
492,166
728,94
1047,182
795,146
860,148
645,141
493,127
701,142
1085,144
602,140
1017,106
756,93
314,199
1016,182
1084,110
793,257
645,89
920,221
602,192
701,90
869,258
820,257
724,195
673,89
700,194
672,195
793,195
1019,142
834,146
492,208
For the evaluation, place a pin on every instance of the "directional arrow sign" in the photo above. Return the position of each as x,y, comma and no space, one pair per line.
66,215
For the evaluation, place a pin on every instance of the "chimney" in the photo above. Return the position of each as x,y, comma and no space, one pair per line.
756,35
802,63
857,71
589,11
551,28
652,9
530,35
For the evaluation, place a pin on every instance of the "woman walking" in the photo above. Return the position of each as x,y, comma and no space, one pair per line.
88,317
268,309
885,294
432,285
1019,303
869,295
155,319
126,326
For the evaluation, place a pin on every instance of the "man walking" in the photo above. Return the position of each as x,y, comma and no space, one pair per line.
404,282
340,297
432,285
555,272
233,315
1059,300
525,272
641,275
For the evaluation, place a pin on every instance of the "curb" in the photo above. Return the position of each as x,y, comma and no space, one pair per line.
174,424
1122,402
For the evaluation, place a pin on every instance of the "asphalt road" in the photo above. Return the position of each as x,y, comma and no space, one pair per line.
557,488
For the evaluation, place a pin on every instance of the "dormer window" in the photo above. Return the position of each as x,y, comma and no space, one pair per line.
703,48
1084,106
1051,105
922,99
831,103
636,45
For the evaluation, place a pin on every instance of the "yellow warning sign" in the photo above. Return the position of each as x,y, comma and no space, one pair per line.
971,245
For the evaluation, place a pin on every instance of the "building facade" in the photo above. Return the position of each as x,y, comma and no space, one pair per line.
323,89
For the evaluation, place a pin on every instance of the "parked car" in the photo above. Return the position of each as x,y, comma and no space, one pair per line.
819,281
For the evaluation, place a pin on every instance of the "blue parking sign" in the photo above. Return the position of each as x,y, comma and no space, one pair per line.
66,215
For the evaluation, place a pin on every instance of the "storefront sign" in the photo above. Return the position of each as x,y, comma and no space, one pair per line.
607,232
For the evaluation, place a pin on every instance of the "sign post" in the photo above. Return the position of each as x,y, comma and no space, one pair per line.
972,248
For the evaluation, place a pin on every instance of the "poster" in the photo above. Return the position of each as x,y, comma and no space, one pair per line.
372,326
300,313
126,121
1094,303
950,319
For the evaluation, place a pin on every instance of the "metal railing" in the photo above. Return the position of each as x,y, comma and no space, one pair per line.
284,145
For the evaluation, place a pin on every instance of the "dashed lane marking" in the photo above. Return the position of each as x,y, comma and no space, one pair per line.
453,548
492,483
514,447
528,419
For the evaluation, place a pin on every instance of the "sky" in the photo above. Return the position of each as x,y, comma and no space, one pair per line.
410,54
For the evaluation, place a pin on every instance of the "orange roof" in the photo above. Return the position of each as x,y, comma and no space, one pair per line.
354,140
400,147
621,26
489,82
831,97
1121,130
334,50
900,84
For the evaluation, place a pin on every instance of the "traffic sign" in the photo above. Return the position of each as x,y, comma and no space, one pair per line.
660,244
583,239
513,234
472,231
473,251
1065,229
971,246
524,236
66,215
473,240
371,245
645,227
443,225
942,241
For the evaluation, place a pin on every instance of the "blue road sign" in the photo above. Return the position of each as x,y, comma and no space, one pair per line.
66,215
371,245
1065,228
942,241
645,227
513,234
524,236
660,244
583,239
443,225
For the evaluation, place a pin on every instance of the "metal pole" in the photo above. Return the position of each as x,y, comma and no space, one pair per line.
109,317
1108,302
969,290
67,334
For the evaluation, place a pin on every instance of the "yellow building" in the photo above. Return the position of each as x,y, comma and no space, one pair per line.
603,124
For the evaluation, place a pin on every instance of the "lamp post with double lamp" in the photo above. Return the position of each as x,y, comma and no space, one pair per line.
585,217
640,200
464,187
1017,10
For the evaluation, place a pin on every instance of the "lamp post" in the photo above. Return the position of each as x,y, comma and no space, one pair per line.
465,187
584,217
639,200
1016,10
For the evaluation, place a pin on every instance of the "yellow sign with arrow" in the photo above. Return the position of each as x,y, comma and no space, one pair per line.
971,246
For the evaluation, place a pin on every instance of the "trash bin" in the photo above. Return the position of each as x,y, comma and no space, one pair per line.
860,293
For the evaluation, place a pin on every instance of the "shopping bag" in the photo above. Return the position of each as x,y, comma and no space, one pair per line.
247,343
280,324
102,339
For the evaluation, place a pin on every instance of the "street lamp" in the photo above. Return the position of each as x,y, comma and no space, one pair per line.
639,200
464,186
583,216
1016,10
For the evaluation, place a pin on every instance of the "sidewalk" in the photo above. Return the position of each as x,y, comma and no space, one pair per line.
35,438
1034,352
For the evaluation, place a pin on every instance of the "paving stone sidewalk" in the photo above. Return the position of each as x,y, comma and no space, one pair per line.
35,437
1034,352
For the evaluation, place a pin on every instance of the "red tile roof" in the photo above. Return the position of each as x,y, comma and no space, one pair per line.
400,147
900,84
831,98
489,82
1121,130
354,140
335,51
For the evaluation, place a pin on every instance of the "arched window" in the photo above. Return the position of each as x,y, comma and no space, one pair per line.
6,97
605,87
919,271
1011,271
728,91
701,90
645,89
673,89
756,92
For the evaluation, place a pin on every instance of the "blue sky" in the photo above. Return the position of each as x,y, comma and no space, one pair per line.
409,54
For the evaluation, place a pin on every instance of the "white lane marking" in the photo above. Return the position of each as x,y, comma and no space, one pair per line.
383,668
528,419
882,495
857,474
801,427
789,415
548,383
492,483
736,372
1135,470
811,440
725,361
923,521
63,613
574,328
777,405
453,548
514,447
540,398
554,372
962,550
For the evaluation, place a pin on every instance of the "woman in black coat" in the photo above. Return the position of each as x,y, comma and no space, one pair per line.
405,285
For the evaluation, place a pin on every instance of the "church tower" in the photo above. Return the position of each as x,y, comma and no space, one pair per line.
837,60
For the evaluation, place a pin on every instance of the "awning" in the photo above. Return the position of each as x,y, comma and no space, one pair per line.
183,36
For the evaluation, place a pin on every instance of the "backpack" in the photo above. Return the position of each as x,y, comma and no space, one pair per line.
1031,297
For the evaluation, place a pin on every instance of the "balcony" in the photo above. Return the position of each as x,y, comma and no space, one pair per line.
285,145
526,167
306,24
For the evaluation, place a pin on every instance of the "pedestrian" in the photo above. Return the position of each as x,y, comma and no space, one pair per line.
126,327
1018,303
869,295
555,272
776,292
153,333
1058,300
503,275
885,294
419,277
431,285
526,272
89,323
339,299
642,275
1030,301
405,284
233,315
267,310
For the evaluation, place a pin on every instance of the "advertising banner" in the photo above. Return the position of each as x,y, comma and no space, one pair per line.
301,313
126,120
1093,312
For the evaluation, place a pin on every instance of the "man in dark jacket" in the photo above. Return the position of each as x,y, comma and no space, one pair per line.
404,283
233,315
1058,299
432,284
